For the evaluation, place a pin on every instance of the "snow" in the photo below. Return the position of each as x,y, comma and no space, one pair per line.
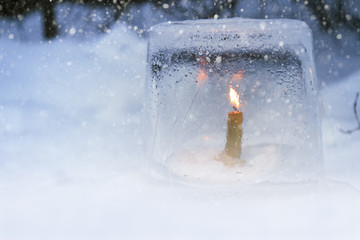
71,164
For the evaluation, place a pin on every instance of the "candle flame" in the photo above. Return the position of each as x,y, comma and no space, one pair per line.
234,98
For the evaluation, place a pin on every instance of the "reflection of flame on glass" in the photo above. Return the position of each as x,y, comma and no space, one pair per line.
206,138
234,99
238,76
202,76
201,79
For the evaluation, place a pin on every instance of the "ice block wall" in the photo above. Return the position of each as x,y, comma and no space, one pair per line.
269,63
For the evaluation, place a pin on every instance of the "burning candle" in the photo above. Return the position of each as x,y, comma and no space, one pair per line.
232,150
234,124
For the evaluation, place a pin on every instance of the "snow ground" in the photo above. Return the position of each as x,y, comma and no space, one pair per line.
71,165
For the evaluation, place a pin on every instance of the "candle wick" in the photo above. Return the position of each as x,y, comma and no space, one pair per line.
235,109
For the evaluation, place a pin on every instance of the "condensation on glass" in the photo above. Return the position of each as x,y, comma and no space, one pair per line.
269,63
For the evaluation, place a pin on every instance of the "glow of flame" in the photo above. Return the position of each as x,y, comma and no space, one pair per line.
202,76
238,76
234,98
206,138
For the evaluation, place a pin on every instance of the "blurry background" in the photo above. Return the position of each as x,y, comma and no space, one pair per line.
72,79
335,23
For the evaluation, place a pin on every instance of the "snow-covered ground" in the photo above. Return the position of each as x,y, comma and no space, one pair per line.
71,164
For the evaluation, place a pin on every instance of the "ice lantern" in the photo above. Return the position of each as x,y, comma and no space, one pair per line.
193,66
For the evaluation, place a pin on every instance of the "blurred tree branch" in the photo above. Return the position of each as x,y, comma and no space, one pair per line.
330,14
356,117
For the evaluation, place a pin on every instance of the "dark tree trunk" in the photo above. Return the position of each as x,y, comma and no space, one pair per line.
50,26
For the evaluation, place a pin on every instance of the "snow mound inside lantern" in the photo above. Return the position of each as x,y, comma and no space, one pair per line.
200,165
193,64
